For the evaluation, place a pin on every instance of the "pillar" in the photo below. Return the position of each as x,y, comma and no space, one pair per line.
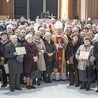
64,9
28,9
44,5
83,9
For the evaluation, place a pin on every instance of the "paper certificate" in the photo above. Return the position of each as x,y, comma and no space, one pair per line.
84,55
6,68
20,50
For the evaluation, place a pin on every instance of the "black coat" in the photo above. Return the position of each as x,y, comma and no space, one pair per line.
3,46
21,40
71,51
96,53
50,61
15,67
1,51
31,51
50,48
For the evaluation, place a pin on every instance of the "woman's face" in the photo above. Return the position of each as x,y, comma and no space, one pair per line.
4,37
30,40
86,42
75,38
37,35
9,29
48,37
82,34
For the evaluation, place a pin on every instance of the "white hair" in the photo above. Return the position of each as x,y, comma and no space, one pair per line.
28,36
9,26
13,36
41,28
47,34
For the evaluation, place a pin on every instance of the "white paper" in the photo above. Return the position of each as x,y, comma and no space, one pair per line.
6,68
20,50
84,55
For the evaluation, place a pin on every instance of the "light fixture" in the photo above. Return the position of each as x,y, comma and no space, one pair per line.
7,0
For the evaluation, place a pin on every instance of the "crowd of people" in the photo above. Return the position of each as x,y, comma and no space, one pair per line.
57,51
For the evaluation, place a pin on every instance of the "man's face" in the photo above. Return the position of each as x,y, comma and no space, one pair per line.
59,31
14,39
23,33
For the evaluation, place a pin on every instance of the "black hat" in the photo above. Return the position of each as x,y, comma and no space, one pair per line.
4,33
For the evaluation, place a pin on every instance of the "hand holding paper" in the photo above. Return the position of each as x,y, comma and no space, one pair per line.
84,55
20,50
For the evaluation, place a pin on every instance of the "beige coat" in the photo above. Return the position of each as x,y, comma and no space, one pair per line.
41,61
83,63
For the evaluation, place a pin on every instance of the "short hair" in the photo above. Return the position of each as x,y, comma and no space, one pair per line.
12,36
27,36
9,26
4,33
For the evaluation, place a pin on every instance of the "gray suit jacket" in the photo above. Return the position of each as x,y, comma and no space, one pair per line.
15,67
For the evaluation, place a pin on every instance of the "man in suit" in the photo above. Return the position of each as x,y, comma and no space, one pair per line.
15,66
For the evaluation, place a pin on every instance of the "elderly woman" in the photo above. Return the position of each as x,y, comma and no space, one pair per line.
30,60
50,55
9,29
85,57
41,49
71,50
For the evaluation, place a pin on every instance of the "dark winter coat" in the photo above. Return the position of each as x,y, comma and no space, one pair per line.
1,52
15,67
50,48
31,51
71,51
96,53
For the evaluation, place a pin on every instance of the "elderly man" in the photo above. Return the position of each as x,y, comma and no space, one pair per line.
15,66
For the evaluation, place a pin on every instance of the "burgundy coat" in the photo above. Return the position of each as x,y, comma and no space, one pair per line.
31,51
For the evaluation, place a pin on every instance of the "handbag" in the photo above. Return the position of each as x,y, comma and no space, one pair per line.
1,62
36,74
71,60
6,67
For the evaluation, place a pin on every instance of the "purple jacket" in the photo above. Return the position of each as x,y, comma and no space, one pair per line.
31,51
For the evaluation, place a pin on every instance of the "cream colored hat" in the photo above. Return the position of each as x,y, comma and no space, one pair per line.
58,25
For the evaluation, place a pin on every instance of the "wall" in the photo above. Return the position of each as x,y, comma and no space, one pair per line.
92,9
6,8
